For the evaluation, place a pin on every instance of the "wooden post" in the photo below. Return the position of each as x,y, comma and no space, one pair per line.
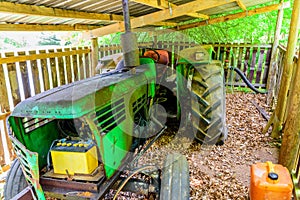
287,72
291,139
273,65
95,53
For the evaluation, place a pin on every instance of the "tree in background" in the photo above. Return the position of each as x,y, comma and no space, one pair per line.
48,39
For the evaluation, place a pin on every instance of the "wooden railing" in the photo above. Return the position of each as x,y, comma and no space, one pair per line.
280,61
26,73
253,60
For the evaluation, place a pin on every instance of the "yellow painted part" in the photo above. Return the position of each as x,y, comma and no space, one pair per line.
71,163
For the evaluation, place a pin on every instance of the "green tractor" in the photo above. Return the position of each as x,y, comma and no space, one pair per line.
74,141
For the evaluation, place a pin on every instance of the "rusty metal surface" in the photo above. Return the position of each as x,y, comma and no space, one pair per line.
66,184
94,177
25,194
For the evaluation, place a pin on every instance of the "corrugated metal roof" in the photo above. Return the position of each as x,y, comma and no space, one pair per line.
105,7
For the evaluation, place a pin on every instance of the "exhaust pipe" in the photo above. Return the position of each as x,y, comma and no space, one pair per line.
129,41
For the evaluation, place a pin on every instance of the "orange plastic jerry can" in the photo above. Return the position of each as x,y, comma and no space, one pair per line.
270,182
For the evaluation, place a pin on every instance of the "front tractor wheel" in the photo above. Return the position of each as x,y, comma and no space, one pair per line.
175,178
15,181
208,103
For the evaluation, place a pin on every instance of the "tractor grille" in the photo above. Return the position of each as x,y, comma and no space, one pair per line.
31,124
110,116
29,164
139,103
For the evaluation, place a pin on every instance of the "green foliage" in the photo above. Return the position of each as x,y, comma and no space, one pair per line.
253,29
49,40
258,29
74,39
114,38
14,43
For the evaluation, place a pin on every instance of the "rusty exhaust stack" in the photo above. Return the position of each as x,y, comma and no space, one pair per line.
129,41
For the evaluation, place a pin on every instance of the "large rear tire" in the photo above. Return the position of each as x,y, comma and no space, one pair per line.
208,103
15,181
175,178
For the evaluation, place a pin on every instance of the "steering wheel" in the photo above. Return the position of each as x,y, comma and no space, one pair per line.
157,54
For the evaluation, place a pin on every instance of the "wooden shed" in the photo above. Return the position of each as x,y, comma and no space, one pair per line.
26,73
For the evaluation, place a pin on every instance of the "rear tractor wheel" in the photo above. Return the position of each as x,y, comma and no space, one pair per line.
208,103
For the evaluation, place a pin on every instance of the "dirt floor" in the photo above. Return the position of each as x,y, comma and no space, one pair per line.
221,172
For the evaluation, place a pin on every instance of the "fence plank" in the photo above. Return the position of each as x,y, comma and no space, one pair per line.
40,72
20,79
72,68
4,99
83,60
260,63
57,69
246,61
30,76
253,63
267,64
6,153
49,70
2,149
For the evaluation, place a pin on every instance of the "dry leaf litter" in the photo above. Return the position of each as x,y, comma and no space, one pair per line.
221,172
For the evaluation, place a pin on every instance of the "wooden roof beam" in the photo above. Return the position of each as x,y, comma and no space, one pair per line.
23,9
234,16
160,16
163,4
37,27
241,4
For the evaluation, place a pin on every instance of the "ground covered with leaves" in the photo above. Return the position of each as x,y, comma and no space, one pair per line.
223,172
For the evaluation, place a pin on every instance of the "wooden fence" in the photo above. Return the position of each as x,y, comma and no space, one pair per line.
279,67
253,60
26,73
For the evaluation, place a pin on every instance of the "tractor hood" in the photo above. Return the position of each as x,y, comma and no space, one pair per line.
79,98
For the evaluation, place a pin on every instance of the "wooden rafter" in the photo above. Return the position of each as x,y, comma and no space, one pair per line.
39,27
241,4
15,8
7,7
231,17
163,4
160,16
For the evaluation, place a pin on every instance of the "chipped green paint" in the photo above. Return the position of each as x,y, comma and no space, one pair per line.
30,167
